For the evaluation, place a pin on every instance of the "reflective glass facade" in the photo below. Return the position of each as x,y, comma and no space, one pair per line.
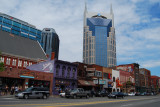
50,42
100,29
99,41
18,27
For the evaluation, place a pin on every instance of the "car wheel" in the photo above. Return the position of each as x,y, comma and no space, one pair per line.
44,96
26,96
87,96
74,96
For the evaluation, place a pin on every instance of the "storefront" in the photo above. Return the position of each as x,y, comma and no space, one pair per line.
25,78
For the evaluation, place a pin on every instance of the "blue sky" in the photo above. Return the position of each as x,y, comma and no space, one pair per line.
137,24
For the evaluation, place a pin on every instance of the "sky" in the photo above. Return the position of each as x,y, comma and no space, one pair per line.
137,26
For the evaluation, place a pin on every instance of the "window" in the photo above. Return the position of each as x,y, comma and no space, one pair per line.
74,71
30,63
68,72
63,71
113,79
57,70
20,63
14,62
25,64
2,59
8,61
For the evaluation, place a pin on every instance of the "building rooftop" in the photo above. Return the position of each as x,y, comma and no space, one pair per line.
21,47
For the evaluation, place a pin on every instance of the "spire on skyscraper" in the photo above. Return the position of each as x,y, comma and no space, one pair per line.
111,11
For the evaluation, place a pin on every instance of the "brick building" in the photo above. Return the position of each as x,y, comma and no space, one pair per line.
133,69
17,53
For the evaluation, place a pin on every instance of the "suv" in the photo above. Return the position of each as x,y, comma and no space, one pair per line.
78,92
34,92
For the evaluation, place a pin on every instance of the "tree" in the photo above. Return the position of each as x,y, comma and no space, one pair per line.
1,65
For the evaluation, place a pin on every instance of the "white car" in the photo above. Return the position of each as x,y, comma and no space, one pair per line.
131,94
62,94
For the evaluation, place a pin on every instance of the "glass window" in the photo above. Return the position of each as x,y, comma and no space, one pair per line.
25,27
25,64
68,72
30,63
2,59
20,63
74,70
14,62
63,71
16,24
7,21
57,70
8,61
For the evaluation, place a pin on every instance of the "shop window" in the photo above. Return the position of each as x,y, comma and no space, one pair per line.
25,64
20,63
68,72
63,71
2,59
8,61
57,70
14,62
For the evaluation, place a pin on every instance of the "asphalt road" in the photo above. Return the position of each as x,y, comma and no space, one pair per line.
55,101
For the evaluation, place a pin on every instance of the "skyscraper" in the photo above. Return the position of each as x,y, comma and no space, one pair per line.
50,42
99,42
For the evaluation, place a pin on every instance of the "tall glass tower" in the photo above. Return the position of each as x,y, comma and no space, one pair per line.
99,42
50,42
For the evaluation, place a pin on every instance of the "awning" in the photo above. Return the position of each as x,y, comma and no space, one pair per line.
86,83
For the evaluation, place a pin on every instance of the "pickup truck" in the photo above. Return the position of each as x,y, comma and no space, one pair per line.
78,92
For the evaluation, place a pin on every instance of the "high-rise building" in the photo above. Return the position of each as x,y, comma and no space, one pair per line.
50,42
18,27
99,41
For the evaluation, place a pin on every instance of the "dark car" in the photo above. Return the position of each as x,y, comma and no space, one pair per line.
137,94
101,94
78,92
116,95
34,92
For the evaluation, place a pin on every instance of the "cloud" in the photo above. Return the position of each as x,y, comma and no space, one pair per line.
137,28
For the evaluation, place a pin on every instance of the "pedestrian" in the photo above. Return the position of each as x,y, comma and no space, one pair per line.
16,90
6,90
12,90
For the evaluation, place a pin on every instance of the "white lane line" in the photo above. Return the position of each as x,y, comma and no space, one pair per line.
126,105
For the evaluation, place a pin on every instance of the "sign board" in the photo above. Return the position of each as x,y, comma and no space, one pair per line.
90,74
90,69
101,82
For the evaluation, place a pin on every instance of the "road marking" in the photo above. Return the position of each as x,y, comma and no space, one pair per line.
75,104
126,105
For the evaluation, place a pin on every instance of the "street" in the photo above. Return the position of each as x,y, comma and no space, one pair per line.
56,101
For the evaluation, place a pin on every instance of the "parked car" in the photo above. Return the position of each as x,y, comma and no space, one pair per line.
34,92
78,92
137,94
131,94
125,94
116,95
101,94
62,94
